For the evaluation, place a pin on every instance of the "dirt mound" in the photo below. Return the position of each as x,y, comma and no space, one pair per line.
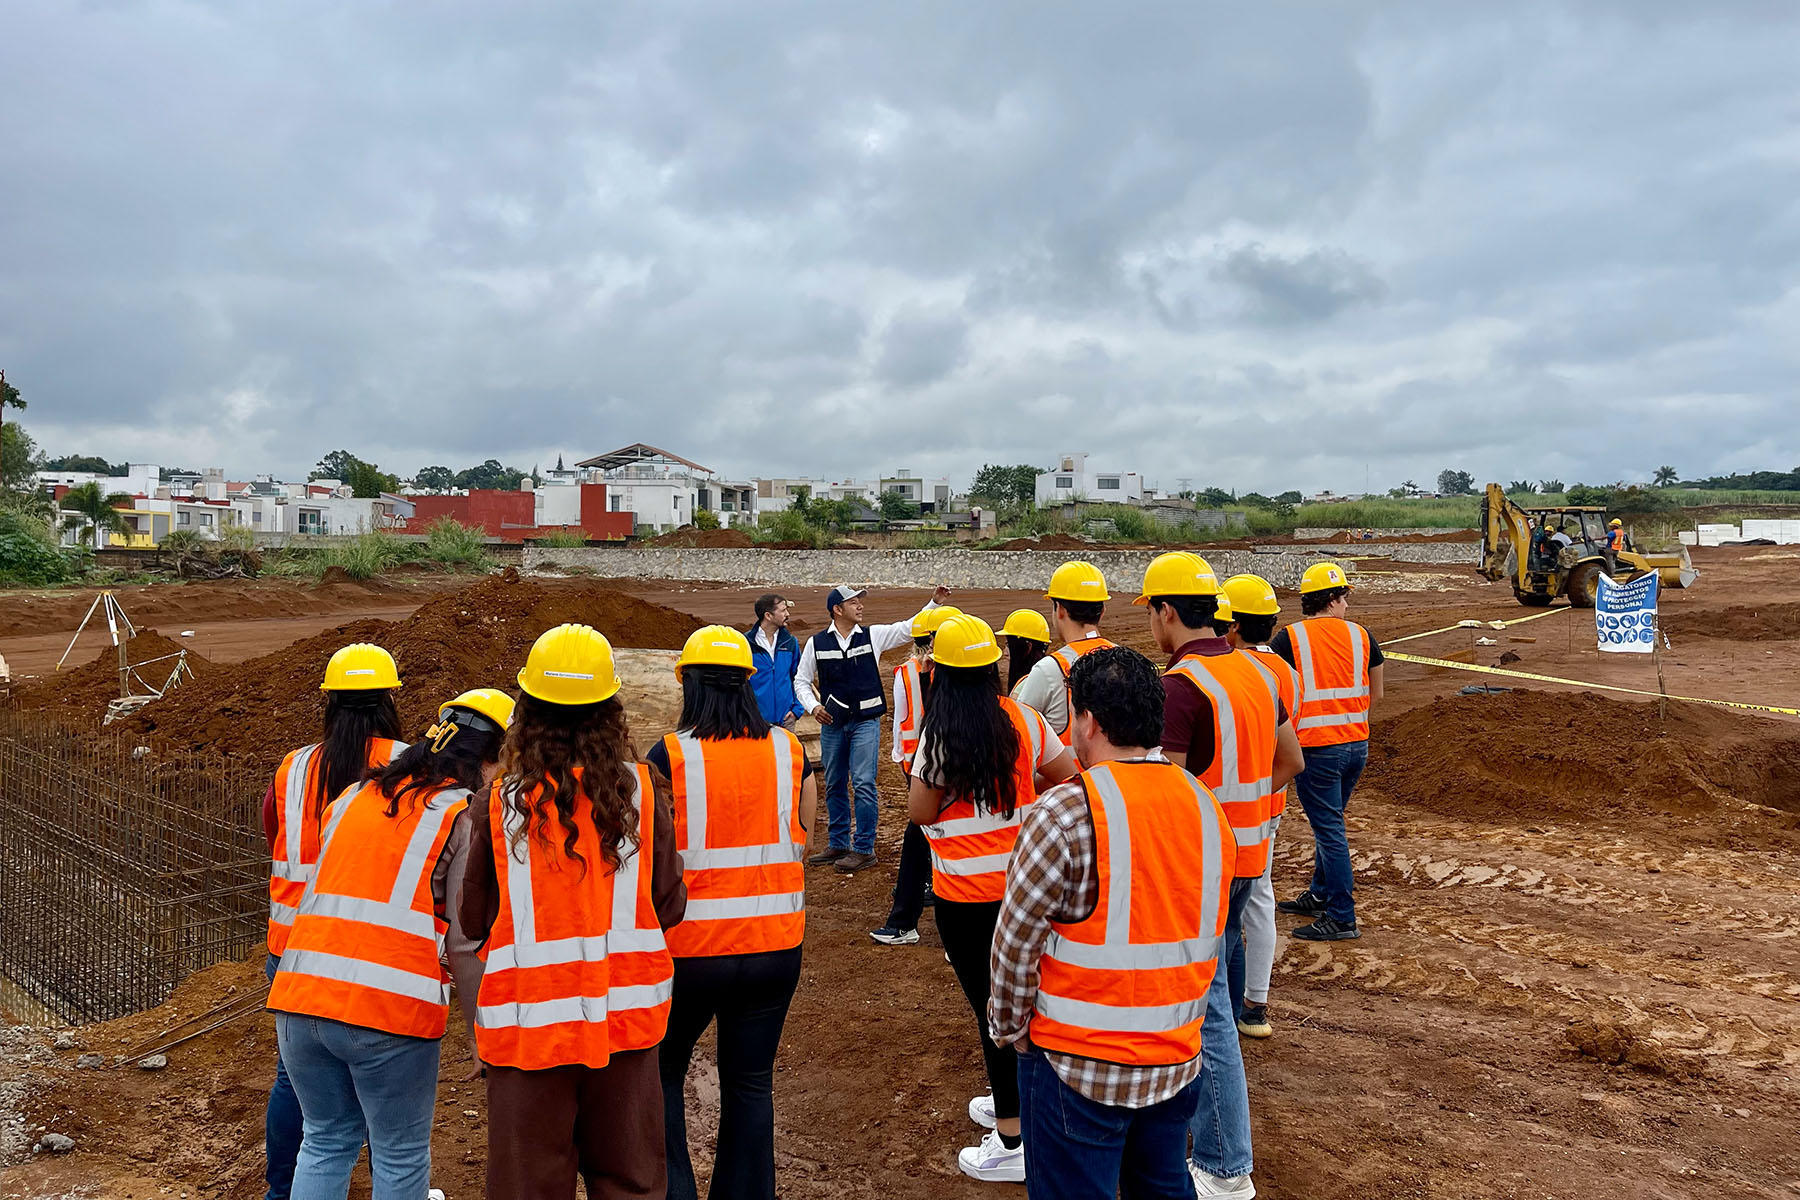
1524,756
1772,621
85,690
1618,1044
1050,541
476,637
689,538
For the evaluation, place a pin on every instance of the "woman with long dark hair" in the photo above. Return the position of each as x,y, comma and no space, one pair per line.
744,797
1027,636
360,1000
982,758
362,732
573,876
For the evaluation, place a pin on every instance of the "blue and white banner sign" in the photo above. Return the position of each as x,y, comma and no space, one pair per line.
1625,614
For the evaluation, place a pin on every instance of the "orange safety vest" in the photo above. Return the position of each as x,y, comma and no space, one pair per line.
970,848
737,825
1615,540
576,964
1245,703
366,948
907,683
296,847
1128,984
1288,680
1065,662
1332,657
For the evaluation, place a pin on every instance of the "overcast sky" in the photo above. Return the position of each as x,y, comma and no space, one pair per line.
1251,245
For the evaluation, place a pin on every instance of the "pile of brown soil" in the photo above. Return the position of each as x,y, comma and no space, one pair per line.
84,691
1776,622
476,637
1522,756
690,538
1050,541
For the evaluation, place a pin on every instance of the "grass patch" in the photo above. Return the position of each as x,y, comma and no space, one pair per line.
563,539
454,544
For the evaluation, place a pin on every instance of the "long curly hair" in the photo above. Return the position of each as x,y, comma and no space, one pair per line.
972,746
544,746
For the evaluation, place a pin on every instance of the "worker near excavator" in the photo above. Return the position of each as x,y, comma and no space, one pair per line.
362,733
1078,596
1616,543
1224,721
1340,668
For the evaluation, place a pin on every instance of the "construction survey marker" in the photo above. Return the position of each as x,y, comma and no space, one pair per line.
1625,615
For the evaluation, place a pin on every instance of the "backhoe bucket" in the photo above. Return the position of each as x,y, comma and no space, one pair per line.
1674,568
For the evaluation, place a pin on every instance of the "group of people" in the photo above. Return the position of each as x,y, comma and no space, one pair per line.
1096,834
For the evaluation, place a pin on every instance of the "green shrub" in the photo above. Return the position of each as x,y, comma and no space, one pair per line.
1133,525
451,542
706,518
789,526
563,539
922,539
362,557
30,561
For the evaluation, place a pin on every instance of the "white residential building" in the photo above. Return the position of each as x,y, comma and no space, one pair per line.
140,479
777,495
1074,479
931,495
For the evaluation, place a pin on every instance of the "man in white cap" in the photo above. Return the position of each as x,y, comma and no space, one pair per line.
839,682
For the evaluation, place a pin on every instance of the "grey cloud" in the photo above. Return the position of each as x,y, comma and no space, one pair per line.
1307,287
920,347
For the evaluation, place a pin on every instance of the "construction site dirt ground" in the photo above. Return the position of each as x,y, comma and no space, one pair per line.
1579,973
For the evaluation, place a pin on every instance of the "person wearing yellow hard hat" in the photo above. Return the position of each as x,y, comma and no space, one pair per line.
1254,611
982,760
1340,668
1616,544
1078,596
1224,721
362,732
573,877
839,683
744,796
1027,636
360,1000
912,688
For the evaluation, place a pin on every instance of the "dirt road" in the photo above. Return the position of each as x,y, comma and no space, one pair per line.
1570,984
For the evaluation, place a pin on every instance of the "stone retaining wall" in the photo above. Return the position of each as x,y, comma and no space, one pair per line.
1010,570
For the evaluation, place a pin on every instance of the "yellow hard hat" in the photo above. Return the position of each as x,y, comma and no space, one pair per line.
571,664
927,622
1322,577
1616,522
360,667
1078,581
715,646
491,703
1178,573
1252,596
965,641
1027,623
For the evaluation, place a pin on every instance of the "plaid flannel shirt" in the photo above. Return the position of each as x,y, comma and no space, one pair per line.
1053,877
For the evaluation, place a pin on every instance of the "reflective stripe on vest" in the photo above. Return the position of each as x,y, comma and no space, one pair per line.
741,845
1332,657
372,961
1241,774
601,982
906,729
970,848
1140,1002
1288,681
1065,662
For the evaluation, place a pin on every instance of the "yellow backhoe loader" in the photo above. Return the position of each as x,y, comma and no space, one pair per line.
1557,551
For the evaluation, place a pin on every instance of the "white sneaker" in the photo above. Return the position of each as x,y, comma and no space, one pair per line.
981,1111
1221,1187
992,1161
435,1194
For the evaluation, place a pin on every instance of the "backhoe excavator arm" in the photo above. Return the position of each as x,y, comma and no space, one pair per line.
1503,521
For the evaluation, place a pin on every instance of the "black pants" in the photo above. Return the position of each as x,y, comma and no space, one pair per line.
968,934
749,994
909,885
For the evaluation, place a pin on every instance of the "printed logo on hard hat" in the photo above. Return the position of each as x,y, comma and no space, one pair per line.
360,671
1333,574
567,675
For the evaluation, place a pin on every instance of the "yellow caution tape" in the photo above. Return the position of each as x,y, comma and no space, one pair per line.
1599,687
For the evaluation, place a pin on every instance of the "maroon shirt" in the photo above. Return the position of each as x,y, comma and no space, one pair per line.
1188,712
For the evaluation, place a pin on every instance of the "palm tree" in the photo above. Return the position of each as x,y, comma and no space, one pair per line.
92,511
1665,476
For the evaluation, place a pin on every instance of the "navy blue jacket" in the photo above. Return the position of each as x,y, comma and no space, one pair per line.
773,681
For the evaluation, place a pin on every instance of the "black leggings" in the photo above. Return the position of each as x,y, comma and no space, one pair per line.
749,994
967,931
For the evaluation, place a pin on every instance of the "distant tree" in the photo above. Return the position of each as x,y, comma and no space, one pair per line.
435,479
490,474
895,507
1289,497
1409,488
338,465
92,512
1398,493
84,462
1520,487
1581,493
1455,483
9,395
1006,486
1666,476
1216,497
705,518
1550,487
1256,500
537,480
18,457
368,480
167,473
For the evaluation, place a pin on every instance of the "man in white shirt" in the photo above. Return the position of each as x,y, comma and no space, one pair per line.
839,682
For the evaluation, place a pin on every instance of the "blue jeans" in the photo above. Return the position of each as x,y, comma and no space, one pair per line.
1076,1149
850,751
344,1075
1221,1124
1231,946
281,1125
1324,787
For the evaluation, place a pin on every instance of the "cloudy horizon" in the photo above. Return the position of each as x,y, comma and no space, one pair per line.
1295,245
